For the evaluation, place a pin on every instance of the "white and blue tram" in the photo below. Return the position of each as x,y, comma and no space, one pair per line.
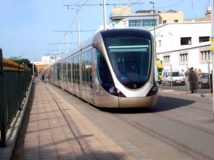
114,69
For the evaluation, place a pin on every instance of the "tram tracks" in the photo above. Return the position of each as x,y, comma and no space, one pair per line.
166,116
137,121
179,146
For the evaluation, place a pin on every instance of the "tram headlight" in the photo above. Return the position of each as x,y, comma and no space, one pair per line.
153,91
114,91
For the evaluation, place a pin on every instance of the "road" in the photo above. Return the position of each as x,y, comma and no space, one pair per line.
179,127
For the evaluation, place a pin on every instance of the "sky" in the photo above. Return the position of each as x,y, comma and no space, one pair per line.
33,28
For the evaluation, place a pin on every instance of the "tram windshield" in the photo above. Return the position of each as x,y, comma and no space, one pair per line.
130,58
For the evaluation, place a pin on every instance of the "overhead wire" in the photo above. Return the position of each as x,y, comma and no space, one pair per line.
78,9
100,4
175,4
68,30
133,3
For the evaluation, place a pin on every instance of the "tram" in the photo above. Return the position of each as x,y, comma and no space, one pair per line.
114,69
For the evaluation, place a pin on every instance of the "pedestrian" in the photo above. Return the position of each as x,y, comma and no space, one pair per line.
43,77
193,80
46,79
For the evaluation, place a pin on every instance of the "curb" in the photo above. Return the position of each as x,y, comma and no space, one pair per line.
187,93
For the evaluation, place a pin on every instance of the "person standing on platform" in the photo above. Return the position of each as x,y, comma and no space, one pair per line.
193,80
211,82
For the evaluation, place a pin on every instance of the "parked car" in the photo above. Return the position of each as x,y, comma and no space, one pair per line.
203,80
173,77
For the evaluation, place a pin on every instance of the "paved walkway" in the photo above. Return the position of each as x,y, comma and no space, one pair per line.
53,129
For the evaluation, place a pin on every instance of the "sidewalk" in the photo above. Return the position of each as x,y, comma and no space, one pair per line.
53,129
197,94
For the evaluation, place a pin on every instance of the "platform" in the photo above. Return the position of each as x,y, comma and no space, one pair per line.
53,129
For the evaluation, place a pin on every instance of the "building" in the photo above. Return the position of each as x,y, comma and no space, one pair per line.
171,16
179,43
45,62
184,45
122,17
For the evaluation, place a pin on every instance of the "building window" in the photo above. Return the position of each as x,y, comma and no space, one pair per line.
205,56
204,39
166,59
186,40
149,22
164,21
175,20
183,58
135,23
142,23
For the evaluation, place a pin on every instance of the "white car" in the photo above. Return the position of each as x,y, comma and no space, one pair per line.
172,77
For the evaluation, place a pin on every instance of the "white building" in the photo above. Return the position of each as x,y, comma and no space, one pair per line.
47,60
122,17
179,43
184,45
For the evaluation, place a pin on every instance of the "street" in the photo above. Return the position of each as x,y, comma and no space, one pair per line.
179,126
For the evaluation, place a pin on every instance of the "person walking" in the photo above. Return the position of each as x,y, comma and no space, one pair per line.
193,80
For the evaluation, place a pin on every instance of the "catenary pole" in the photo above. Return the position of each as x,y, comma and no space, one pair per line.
104,13
212,46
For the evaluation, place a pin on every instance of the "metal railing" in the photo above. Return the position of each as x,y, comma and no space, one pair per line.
13,87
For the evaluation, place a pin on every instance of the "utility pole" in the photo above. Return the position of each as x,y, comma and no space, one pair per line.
104,13
212,47
154,37
66,39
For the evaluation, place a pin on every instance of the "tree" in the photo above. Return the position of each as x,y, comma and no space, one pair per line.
20,60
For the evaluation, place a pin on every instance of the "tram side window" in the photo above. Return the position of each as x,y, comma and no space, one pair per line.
58,71
89,60
103,72
83,67
75,68
87,66
64,70
69,69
